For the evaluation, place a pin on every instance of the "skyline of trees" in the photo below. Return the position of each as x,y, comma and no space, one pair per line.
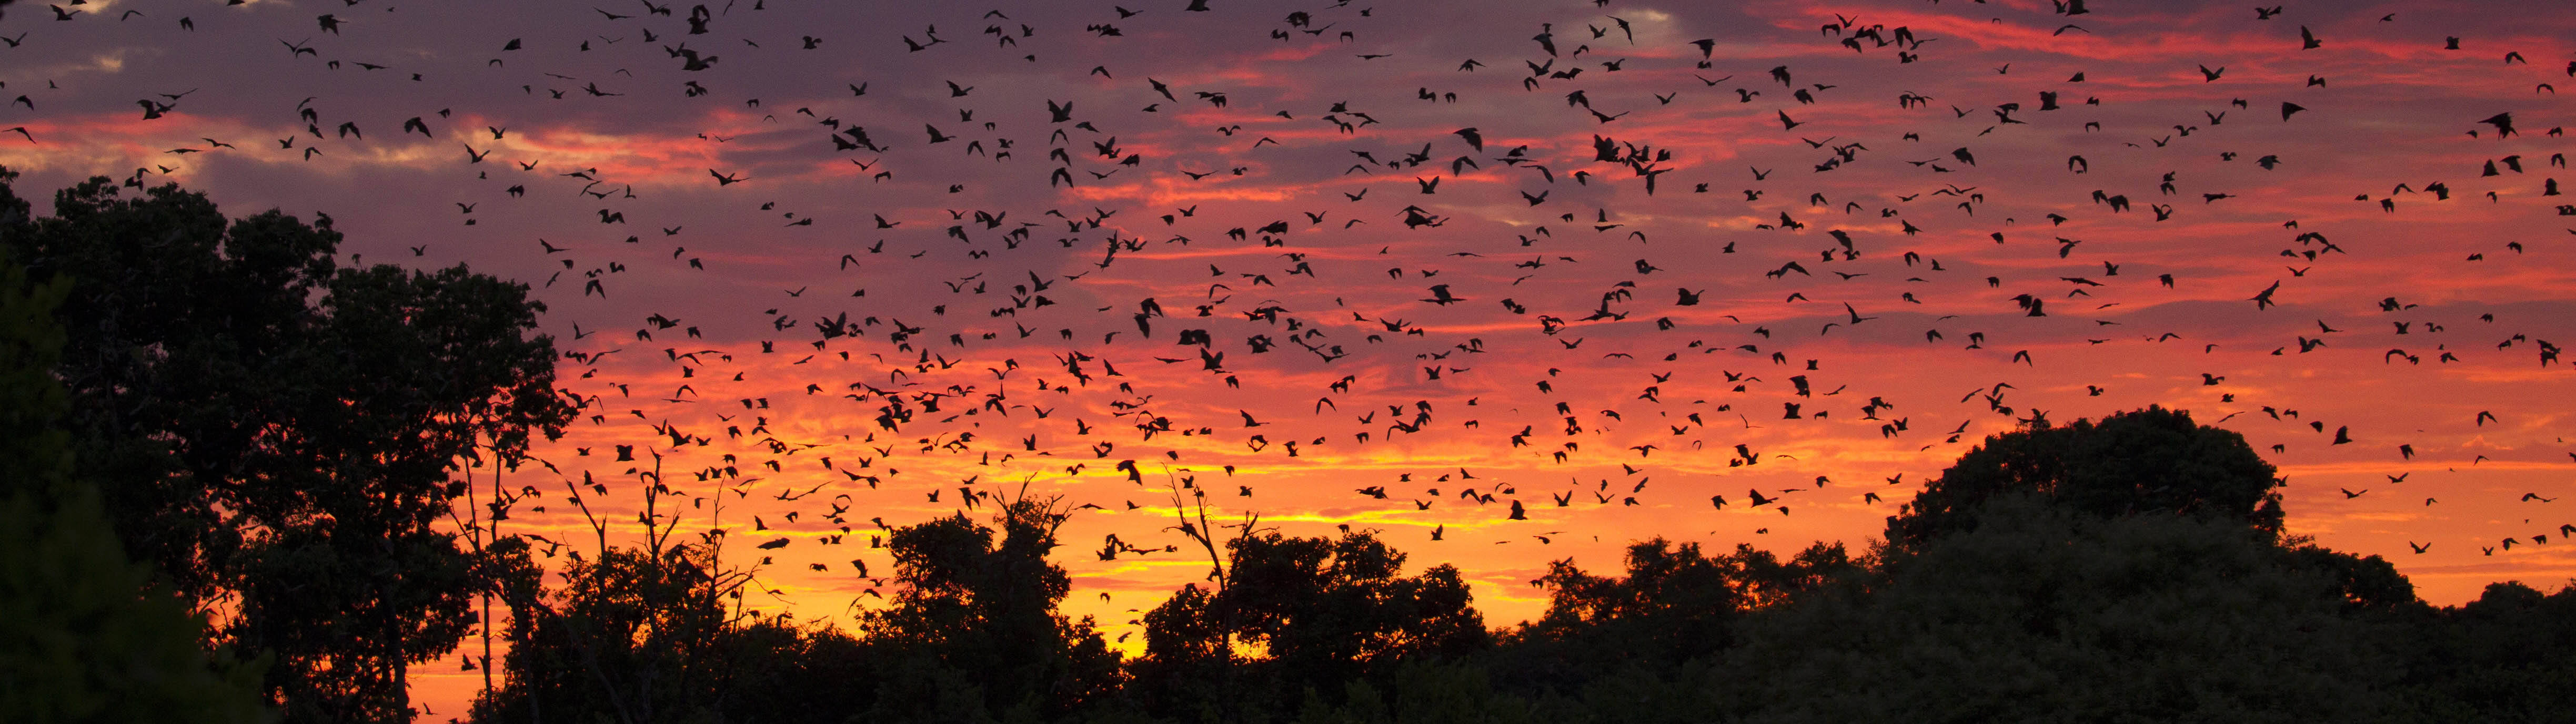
275,441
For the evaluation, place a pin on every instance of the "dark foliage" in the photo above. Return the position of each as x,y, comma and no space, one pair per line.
1298,614
268,428
639,637
2505,657
1675,605
975,627
2142,461
83,637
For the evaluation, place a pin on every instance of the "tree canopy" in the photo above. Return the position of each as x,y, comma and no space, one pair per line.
976,619
268,426
1675,604
82,635
2142,461
2039,611
1297,612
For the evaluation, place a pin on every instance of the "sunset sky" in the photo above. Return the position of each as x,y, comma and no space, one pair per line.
1847,200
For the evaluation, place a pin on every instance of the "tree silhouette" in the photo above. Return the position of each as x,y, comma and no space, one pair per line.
658,632
2505,657
974,625
2363,583
634,636
2142,461
1675,605
1301,612
82,638
2038,611
272,428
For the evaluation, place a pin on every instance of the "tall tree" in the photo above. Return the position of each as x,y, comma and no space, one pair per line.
274,429
82,636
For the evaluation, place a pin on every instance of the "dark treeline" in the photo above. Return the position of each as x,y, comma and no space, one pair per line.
2130,570
233,482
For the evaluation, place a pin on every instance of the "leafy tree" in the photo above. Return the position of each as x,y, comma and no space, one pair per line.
434,363
974,629
1318,612
2362,583
1331,608
2142,461
1674,605
779,671
2040,612
271,428
2508,656
632,636
82,638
